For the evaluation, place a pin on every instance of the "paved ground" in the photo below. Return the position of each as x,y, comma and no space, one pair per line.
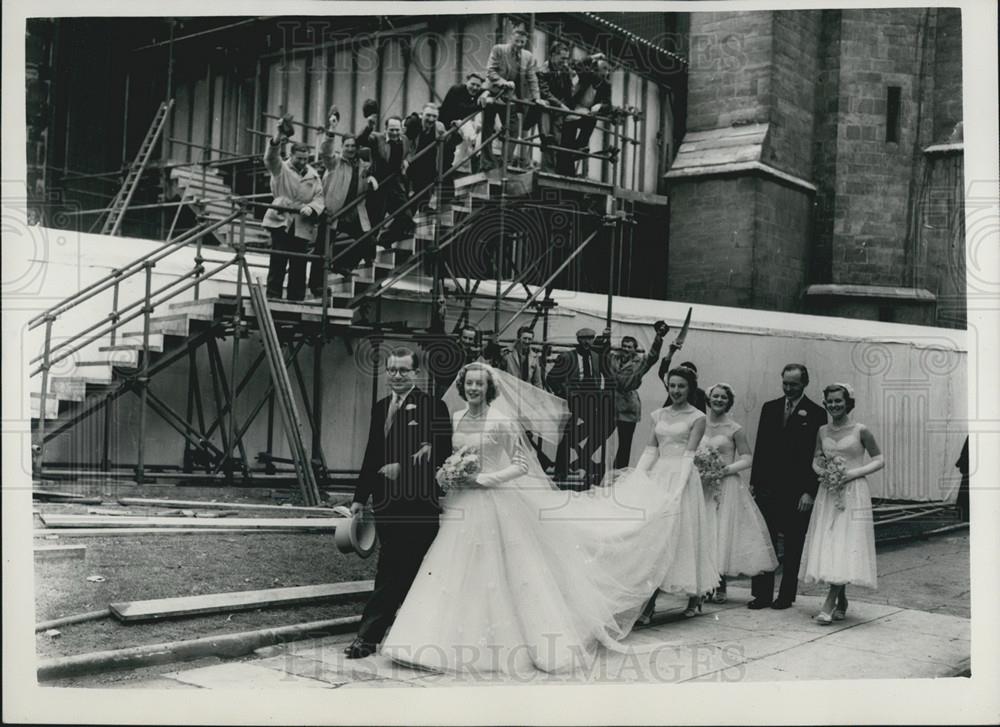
915,625
725,644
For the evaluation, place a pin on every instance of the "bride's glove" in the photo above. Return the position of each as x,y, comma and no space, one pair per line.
648,459
493,479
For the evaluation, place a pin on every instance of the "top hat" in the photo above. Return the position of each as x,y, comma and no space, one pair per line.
356,534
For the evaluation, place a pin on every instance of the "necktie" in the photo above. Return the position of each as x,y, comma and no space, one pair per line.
588,371
391,414
524,365
788,410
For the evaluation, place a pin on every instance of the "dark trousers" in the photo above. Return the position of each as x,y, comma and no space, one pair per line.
383,203
551,127
284,241
782,515
402,546
520,123
591,421
349,230
626,430
576,134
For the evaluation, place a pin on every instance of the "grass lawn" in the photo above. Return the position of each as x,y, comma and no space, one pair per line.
139,567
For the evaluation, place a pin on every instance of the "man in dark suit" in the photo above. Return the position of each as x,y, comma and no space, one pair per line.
782,479
409,438
389,153
581,376
461,101
423,169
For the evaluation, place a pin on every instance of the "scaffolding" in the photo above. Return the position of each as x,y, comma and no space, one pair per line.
164,340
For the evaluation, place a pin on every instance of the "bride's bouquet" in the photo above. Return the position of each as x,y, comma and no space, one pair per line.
833,478
712,469
459,469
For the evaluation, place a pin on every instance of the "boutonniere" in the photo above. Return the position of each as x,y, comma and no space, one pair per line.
801,412
411,424
410,407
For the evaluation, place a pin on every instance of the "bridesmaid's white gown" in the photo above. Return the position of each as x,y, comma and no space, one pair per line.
524,577
840,544
744,544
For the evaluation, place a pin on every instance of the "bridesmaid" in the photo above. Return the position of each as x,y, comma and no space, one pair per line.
744,544
840,542
678,428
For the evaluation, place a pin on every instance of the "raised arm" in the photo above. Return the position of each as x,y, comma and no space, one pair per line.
745,456
272,156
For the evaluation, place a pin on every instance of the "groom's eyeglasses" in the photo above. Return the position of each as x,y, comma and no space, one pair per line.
398,372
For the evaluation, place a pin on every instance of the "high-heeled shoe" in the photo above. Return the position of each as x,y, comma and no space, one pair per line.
823,618
646,617
840,612
719,596
694,607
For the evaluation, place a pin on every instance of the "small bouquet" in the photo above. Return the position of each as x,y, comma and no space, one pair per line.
711,468
459,469
833,478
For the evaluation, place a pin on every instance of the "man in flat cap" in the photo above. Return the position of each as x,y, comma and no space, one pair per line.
581,377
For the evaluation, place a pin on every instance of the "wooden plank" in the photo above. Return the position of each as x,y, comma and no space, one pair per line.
130,501
63,497
99,521
54,552
112,532
161,608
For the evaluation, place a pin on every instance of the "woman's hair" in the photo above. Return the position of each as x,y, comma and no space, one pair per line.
848,399
730,394
688,375
491,386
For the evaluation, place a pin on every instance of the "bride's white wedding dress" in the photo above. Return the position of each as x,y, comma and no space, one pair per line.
524,577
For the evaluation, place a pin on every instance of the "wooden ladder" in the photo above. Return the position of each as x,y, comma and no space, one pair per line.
113,222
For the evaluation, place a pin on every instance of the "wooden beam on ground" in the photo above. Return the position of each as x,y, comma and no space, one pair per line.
112,532
78,618
54,552
162,608
227,646
141,502
277,523
52,496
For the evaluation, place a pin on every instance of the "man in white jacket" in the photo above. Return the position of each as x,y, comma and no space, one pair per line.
295,186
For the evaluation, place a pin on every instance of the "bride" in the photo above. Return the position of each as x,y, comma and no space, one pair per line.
523,576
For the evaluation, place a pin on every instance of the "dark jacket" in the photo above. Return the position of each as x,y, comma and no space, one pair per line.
381,150
457,104
591,89
566,375
554,86
783,452
414,495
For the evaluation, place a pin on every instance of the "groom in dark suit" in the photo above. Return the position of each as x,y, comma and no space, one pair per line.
782,480
409,438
